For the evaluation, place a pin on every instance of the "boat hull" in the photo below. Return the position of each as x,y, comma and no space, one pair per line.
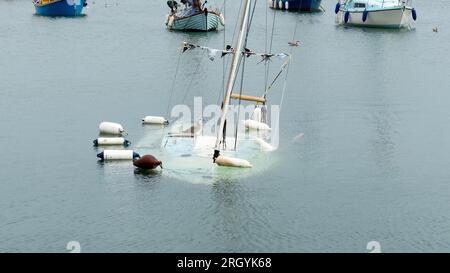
65,8
204,21
395,18
296,5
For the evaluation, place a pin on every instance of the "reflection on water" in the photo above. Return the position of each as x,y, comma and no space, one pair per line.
147,176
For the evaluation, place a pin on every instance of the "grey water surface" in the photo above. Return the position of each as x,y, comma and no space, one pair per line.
374,163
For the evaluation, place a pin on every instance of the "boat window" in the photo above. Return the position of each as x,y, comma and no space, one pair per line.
360,5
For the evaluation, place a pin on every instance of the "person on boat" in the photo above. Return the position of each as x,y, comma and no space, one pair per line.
197,4
192,6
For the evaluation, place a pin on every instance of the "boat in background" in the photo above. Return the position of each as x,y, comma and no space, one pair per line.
189,18
297,5
375,13
68,8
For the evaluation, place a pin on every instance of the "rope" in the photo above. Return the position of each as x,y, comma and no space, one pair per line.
243,71
267,65
296,22
285,83
188,88
239,105
172,88
265,46
224,61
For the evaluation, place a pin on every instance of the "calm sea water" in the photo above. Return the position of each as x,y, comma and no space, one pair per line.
373,165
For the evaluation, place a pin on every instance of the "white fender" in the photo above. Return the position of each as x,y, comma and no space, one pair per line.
154,120
118,155
264,145
257,114
226,161
222,19
170,21
111,141
111,128
255,125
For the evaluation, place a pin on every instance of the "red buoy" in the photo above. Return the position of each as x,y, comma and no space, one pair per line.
147,162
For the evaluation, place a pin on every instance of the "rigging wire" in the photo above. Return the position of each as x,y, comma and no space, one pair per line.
227,62
172,89
266,41
296,21
224,61
291,53
243,71
270,50
188,88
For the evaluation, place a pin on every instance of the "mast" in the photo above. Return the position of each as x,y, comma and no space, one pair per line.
238,48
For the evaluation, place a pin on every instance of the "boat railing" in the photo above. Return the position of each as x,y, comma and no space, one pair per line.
372,3
403,3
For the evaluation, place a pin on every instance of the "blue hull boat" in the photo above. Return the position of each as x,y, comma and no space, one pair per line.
296,5
68,8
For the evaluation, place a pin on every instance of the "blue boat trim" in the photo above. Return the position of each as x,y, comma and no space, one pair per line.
60,8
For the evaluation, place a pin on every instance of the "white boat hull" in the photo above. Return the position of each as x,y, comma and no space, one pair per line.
383,18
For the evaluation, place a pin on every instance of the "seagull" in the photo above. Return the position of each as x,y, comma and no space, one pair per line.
195,128
294,43
298,137
190,132
435,29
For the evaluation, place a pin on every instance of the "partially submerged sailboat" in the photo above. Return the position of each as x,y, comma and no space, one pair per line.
67,8
193,16
297,5
375,13
191,152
